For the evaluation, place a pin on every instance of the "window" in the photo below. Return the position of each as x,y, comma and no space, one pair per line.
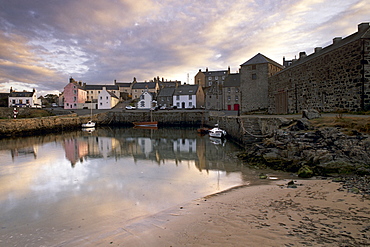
216,78
254,67
101,97
27,101
228,90
236,90
228,98
210,78
254,76
92,91
74,91
106,97
236,98
177,97
178,104
190,104
190,97
74,98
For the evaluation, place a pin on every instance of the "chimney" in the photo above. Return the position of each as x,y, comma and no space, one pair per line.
302,54
115,81
200,70
206,69
228,70
336,40
317,49
363,26
84,84
11,89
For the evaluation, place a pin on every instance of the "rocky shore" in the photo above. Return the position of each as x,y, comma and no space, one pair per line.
309,151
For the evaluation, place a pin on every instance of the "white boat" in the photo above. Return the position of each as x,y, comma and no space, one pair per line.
89,124
217,132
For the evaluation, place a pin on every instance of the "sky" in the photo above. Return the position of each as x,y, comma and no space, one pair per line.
45,42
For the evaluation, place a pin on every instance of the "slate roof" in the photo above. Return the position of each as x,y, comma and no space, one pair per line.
215,73
123,84
100,87
186,90
144,85
21,94
166,92
232,80
260,59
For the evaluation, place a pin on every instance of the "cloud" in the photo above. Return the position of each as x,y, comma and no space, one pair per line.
95,41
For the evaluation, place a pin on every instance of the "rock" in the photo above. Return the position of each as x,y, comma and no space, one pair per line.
300,124
310,114
305,172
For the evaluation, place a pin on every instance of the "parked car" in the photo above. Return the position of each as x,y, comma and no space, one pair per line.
54,105
130,107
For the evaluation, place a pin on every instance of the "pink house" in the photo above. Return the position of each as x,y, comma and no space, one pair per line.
74,95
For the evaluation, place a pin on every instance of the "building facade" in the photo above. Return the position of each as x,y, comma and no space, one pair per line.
330,79
74,95
107,99
254,75
206,78
23,99
188,97
231,93
165,97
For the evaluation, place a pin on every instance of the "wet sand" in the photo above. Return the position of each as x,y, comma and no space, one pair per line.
316,213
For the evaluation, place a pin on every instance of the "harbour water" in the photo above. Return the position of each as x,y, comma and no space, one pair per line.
58,188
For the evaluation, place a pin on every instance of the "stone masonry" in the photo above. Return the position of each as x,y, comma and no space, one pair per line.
331,79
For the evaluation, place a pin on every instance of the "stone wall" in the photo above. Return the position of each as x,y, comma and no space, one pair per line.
334,78
241,129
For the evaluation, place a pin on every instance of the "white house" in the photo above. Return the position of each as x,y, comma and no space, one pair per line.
107,99
188,97
23,99
146,100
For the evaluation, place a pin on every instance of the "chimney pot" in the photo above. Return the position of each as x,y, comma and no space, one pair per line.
302,54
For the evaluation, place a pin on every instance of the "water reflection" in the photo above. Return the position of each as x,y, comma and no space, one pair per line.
80,179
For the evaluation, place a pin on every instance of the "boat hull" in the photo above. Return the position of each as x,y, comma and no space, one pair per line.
217,133
146,124
89,124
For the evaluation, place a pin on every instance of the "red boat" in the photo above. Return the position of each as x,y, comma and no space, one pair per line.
146,124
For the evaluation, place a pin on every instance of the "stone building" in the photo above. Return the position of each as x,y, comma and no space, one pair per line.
206,78
330,79
254,75
231,92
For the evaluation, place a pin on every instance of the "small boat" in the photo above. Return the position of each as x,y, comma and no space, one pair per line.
217,132
89,124
146,124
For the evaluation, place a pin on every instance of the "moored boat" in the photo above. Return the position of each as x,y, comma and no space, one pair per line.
146,124
89,124
217,132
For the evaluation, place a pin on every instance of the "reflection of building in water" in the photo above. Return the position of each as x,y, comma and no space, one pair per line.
24,151
92,146
75,149
185,145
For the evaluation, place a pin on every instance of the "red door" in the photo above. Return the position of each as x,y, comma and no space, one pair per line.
236,107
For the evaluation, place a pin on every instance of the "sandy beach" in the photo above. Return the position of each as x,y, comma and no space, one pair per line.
315,213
